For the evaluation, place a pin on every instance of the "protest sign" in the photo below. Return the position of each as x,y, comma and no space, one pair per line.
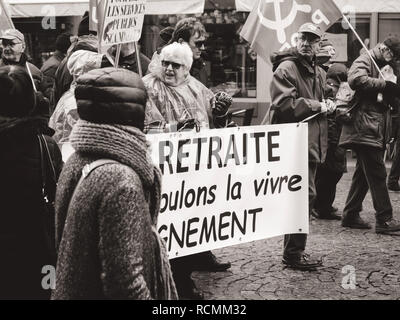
223,187
123,21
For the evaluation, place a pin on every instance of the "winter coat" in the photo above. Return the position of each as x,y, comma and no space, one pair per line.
370,125
35,72
296,91
24,250
48,70
198,70
108,248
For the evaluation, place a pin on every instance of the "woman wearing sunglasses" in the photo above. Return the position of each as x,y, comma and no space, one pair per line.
177,101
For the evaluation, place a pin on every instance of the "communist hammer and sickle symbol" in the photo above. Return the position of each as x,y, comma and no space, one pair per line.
281,24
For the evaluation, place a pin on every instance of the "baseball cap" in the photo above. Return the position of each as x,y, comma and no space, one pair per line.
311,28
11,34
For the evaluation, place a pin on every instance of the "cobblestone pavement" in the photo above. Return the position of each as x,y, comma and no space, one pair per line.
258,274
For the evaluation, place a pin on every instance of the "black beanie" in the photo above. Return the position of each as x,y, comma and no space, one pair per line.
111,96
393,44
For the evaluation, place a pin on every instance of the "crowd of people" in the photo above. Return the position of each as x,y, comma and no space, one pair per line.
102,236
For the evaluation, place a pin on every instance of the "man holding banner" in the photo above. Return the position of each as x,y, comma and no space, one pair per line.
297,92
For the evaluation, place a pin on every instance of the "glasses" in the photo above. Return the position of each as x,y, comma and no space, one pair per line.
310,40
10,43
389,51
200,44
174,65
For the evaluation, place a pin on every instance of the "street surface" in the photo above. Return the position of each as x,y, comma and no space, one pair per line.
358,264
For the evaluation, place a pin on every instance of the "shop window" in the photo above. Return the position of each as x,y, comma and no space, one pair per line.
348,47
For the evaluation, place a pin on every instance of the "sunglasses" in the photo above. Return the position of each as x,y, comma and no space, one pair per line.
174,65
6,43
200,44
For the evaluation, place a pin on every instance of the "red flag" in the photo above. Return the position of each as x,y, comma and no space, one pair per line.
272,24
5,20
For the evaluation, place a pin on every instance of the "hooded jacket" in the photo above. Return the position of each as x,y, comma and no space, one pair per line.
296,89
370,125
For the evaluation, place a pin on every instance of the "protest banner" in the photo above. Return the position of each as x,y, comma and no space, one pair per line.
123,21
272,24
224,187
5,20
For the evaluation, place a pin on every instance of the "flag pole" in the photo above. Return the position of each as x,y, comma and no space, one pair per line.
363,45
139,65
30,75
117,55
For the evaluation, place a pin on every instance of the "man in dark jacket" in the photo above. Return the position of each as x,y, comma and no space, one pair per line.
13,45
49,68
331,171
367,134
297,92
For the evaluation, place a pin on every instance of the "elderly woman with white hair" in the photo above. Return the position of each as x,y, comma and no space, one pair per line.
177,100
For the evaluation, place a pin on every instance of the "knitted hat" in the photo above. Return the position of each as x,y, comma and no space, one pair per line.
111,96
16,91
393,44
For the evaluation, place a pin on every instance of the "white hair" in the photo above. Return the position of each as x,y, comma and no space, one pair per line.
180,51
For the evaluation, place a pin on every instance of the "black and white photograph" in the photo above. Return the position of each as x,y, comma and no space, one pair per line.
209,155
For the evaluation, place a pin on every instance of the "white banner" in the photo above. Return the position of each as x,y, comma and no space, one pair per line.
223,187
123,21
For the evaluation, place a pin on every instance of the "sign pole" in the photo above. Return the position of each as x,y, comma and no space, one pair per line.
117,55
139,65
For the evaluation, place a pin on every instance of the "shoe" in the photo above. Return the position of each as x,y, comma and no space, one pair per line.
304,263
334,209
189,291
355,223
208,262
393,186
331,215
386,227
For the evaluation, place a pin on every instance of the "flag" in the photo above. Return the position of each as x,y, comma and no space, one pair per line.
272,24
5,20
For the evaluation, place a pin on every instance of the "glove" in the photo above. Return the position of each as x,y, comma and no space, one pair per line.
324,107
331,106
223,102
391,89
187,125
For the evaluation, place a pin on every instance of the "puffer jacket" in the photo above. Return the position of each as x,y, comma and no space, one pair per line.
296,91
370,125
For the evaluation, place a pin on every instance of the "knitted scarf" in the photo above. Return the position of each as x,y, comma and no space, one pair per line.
128,146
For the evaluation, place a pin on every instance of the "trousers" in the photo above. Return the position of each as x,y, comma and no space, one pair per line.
370,174
295,244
